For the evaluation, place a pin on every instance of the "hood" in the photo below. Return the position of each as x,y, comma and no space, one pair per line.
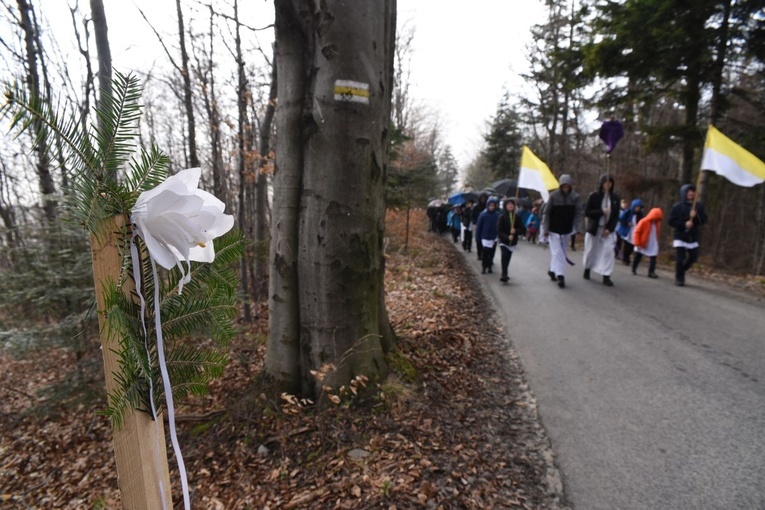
684,191
604,178
509,201
635,203
566,179
655,214
492,200
482,198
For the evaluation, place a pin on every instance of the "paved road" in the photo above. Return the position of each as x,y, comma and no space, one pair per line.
653,396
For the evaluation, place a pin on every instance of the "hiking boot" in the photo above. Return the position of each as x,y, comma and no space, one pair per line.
504,279
680,283
607,281
483,270
561,281
551,275
586,274
489,271
652,275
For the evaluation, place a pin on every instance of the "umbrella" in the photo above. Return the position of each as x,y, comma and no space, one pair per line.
508,188
436,203
462,196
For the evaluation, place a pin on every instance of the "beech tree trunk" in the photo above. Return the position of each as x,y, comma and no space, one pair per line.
335,65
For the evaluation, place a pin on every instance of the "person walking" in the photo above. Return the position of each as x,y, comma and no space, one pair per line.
454,221
561,219
686,218
646,239
509,228
467,230
602,213
633,218
486,234
532,226
474,215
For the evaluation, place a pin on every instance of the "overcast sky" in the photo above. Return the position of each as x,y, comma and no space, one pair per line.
464,52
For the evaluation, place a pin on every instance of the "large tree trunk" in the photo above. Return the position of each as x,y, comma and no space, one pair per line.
45,179
328,214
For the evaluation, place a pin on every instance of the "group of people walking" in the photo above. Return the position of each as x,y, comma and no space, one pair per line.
611,228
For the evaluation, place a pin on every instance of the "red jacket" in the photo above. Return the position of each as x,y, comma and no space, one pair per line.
643,228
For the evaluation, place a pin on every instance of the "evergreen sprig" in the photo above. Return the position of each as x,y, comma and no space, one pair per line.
107,173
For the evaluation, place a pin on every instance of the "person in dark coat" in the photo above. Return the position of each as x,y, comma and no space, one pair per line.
686,218
477,210
602,213
510,227
561,219
486,234
467,230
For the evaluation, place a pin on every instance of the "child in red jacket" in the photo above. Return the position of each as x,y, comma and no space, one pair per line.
646,239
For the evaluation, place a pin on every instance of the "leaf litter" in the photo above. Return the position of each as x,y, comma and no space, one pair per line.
455,426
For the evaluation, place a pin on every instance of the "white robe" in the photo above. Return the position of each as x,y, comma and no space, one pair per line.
599,250
652,248
558,244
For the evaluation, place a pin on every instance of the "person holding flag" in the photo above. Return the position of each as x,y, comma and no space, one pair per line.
561,218
724,157
686,218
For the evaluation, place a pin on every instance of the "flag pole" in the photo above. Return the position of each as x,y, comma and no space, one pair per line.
696,194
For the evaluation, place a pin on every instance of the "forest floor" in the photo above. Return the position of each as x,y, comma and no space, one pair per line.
454,426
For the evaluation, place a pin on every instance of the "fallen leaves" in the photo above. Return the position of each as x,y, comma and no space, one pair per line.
466,437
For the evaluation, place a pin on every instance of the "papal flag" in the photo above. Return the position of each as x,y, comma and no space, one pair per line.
535,174
725,157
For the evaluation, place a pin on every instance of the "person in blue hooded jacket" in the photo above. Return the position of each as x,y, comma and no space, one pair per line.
686,219
626,227
486,234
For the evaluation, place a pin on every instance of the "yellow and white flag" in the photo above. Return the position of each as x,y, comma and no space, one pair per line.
725,157
535,174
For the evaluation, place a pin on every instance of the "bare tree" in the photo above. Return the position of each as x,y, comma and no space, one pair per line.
261,200
31,43
102,47
335,65
188,100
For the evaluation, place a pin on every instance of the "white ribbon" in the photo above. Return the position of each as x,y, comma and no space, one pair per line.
165,376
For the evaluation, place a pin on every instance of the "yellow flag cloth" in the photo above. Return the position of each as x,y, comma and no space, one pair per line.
535,174
725,157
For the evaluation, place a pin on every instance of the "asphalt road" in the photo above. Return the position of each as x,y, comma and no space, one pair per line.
653,396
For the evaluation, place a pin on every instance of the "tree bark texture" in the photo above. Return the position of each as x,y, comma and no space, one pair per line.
328,213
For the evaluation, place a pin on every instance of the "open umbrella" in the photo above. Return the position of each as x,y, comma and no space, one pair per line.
436,203
462,196
509,188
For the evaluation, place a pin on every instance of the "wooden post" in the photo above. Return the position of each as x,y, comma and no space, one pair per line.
139,465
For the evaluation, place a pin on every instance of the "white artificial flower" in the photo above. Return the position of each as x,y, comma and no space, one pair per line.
178,221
